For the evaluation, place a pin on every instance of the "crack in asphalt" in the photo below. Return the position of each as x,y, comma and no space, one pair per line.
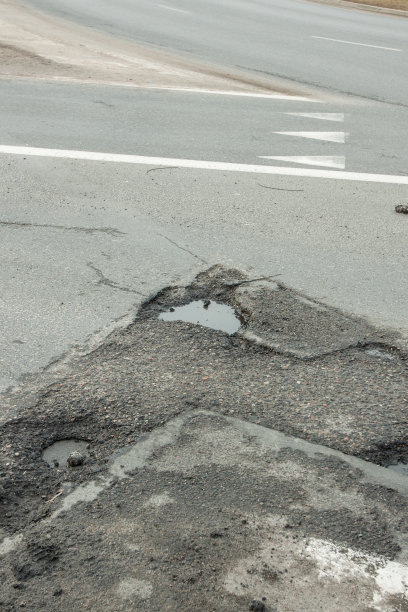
184,249
85,230
104,280
163,168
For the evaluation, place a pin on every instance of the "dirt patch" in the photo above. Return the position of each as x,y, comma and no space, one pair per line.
399,5
36,45
393,7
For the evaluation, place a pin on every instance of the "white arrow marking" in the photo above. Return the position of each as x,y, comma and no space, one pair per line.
328,161
328,136
323,116
199,164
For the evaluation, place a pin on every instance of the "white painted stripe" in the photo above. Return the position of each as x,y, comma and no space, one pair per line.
244,94
328,161
328,136
205,165
323,116
171,8
349,42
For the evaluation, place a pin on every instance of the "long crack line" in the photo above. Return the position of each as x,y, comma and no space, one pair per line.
85,230
183,249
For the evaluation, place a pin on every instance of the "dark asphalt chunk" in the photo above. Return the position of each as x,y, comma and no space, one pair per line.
340,395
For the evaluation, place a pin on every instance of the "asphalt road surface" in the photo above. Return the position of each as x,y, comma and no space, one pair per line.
258,164
335,48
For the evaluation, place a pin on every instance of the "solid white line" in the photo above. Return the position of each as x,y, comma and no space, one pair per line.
328,161
323,116
328,136
244,94
204,165
349,42
171,8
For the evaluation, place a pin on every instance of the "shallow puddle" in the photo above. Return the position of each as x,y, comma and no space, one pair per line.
57,454
205,313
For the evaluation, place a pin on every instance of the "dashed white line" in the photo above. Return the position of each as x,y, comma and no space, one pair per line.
204,165
322,116
328,161
171,8
327,136
350,42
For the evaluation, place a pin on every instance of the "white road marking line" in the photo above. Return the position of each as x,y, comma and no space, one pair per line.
329,161
349,42
328,136
244,94
171,8
323,116
205,165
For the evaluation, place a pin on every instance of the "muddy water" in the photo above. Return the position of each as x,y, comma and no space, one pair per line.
205,313
57,454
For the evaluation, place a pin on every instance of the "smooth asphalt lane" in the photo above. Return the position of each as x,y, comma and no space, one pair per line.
200,126
331,47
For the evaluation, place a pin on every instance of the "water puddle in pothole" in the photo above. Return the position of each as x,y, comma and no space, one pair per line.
401,468
57,454
206,313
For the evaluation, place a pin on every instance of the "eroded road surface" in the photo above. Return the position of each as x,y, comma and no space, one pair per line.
224,471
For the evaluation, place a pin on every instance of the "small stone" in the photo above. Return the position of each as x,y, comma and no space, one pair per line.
57,592
257,606
75,459
402,209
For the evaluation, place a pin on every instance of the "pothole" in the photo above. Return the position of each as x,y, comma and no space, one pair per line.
57,454
206,313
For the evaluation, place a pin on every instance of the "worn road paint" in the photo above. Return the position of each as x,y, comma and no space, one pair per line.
171,8
328,136
349,42
244,94
322,116
206,165
329,161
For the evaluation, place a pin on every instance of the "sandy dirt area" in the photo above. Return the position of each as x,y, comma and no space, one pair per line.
36,45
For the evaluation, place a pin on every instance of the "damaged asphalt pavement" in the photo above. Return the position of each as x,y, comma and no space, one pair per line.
203,358
176,466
